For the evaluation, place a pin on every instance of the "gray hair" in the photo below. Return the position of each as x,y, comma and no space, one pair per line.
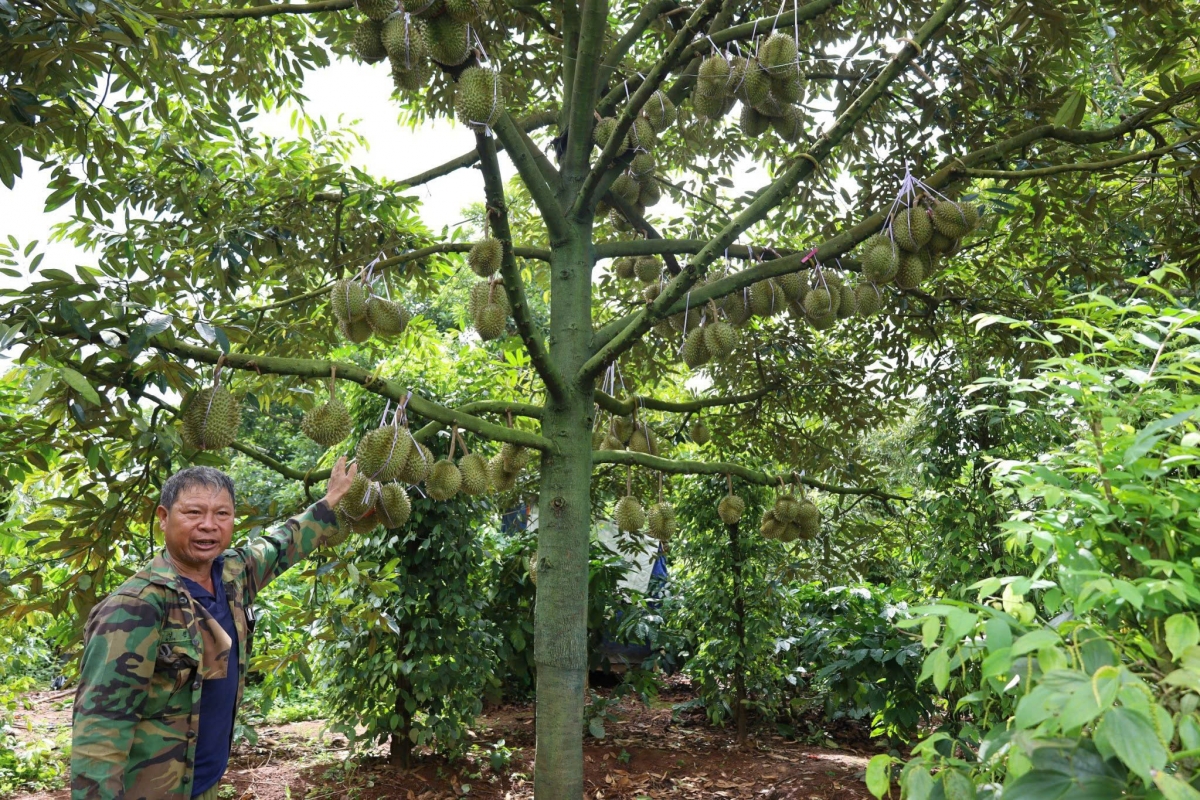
194,476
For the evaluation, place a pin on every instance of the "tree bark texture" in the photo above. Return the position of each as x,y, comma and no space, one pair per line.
739,612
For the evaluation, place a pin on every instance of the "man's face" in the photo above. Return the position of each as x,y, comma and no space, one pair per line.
199,527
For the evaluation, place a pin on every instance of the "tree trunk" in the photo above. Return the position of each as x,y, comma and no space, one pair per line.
401,745
564,523
739,611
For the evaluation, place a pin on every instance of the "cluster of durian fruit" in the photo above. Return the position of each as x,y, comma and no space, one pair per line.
488,305
209,418
658,522
626,433
914,238
787,520
637,184
415,37
360,312
768,84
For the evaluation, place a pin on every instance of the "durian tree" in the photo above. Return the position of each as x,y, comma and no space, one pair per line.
871,135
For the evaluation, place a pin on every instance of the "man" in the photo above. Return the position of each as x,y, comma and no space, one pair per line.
165,655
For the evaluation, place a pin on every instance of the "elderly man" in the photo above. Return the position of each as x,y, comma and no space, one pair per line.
165,655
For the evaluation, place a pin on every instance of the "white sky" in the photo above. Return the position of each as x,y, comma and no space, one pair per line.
344,93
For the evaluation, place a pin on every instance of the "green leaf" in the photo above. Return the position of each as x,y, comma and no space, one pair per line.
1133,740
73,319
1039,785
79,384
1034,640
1173,788
957,786
596,727
1070,113
44,381
1182,633
879,775
930,629
917,784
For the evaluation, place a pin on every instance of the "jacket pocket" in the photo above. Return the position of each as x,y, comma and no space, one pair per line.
174,671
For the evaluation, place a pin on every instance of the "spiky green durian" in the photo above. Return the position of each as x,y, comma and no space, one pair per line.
368,41
629,514
709,106
491,322
327,424
610,442
474,470
531,564
753,123
647,268
777,54
515,457
485,256
695,348
789,124
770,526
792,285
911,272
626,188
486,293
720,338
348,299
393,505
713,76
385,317
340,534
880,258
660,521
737,307
413,79
210,418
651,192
623,267
622,428
820,303
426,9
642,166
377,10
848,306
870,299
941,244
404,40
750,84
770,107
660,112
416,466
699,432
642,135
911,228
604,131
359,499
381,453
463,10
348,525
444,480
766,299
808,519
787,508
650,292
644,440
787,88
479,97
447,38
730,509
358,331
954,220
502,479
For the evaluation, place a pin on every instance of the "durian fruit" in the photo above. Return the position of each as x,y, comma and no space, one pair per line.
327,424
622,428
348,525
820,306
629,514
488,292
489,309
484,257
770,526
954,220
393,505
426,9
737,307
789,124
642,135
651,291
359,500
787,87
869,299
491,322
644,440
848,306
479,97
709,106
416,466
660,521
377,10
719,339
210,418
604,131
699,432
713,76
447,39
404,40
753,123
358,331
647,268
444,480
695,348
911,272
502,479
751,84
626,188
660,112
339,534
730,509
623,267
808,519
787,508
777,54
911,228
941,244
792,285
642,166
514,456
598,437
463,10
474,470
381,453
766,299
610,442
412,79
531,564
880,259
650,194
769,106
368,41
385,317
348,299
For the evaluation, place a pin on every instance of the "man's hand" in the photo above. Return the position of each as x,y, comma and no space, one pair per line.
339,481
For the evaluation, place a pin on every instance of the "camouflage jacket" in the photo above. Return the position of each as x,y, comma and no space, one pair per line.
147,648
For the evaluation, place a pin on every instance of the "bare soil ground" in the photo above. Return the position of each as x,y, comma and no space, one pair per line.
648,754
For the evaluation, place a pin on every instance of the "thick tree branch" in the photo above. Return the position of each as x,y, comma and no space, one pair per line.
532,122
584,87
255,12
640,223
657,246
623,408
768,197
539,188
514,287
677,467
585,200
1079,166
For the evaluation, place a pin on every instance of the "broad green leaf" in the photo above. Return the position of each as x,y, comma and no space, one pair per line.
917,783
1182,632
79,384
957,786
1134,741
1034,640
879,775
1173,788
1039,785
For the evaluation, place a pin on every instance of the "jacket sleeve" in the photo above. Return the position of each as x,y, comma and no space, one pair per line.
270,556
114,678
